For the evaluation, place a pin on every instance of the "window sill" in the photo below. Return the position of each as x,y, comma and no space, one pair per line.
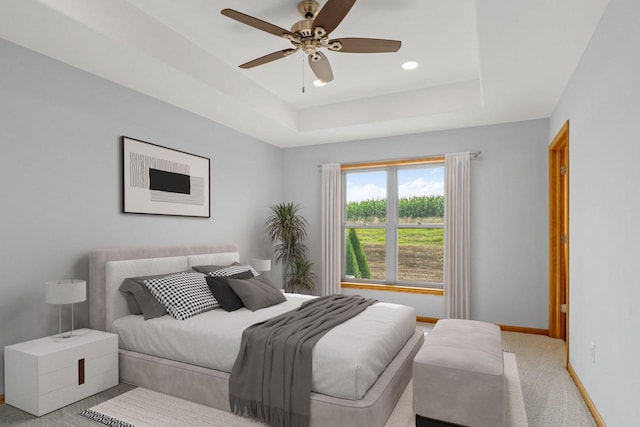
392,288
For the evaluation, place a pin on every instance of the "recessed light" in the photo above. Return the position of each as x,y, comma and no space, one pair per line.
410,65
319,83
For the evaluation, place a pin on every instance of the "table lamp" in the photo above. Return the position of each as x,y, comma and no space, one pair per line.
65,292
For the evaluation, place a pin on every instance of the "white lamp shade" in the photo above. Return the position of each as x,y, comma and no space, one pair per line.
261,264
65,291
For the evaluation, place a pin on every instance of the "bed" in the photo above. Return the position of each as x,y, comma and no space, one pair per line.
194,377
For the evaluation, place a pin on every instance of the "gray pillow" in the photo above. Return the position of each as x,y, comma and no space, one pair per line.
255,293
133,289
127,287
139,298
264,280
206,269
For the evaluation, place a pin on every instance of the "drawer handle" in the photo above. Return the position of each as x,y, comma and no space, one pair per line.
80,371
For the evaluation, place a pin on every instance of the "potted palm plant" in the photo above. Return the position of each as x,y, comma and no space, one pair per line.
288,230
301,278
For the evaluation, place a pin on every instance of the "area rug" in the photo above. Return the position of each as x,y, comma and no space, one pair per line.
141,407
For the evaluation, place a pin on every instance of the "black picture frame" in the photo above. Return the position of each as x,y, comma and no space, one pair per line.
158,180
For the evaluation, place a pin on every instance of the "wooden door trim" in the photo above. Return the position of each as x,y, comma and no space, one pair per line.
558,154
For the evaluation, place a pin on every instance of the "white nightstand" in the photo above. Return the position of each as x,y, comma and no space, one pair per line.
46,374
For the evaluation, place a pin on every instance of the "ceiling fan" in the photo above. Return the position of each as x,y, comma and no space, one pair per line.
312,34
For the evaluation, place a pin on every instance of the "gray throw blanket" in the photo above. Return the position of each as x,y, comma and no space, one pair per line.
271,377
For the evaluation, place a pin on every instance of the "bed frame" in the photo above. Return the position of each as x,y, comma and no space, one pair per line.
211,387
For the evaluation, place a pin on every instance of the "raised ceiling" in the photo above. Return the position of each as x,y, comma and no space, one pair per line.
481,62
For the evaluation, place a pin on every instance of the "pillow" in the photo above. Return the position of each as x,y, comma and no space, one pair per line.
243,275
255,294
222,292
227,299
183,295
233,269
206,269
266,281
134,307
139,298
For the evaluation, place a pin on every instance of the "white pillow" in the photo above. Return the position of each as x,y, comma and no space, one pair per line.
182,295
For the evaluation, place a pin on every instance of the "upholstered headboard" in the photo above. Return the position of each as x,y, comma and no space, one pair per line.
102,313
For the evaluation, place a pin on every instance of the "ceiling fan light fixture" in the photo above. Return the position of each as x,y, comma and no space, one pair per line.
410,65
319,32
319,83
335,45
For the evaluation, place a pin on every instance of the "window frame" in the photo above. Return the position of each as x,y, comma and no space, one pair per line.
391,227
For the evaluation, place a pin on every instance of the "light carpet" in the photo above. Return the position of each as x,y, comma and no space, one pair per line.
141,407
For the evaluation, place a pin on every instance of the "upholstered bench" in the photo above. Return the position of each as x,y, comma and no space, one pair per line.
458,376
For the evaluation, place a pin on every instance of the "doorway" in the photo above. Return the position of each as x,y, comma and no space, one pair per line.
559,234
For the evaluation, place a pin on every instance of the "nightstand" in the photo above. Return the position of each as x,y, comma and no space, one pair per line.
48,373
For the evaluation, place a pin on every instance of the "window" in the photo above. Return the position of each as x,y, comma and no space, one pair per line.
394,223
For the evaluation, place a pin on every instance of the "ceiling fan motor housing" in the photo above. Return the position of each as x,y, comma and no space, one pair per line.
308,8
304,28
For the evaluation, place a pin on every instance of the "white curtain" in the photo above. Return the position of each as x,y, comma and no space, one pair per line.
331,228
457,227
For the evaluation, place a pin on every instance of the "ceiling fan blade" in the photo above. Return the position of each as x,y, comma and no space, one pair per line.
255,22
321,67
268,58
332,14
360,45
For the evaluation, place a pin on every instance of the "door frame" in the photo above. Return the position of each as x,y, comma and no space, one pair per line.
559,234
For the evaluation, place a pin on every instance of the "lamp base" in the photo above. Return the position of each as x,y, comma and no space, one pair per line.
65,337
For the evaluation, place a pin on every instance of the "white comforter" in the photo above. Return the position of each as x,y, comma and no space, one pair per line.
346,361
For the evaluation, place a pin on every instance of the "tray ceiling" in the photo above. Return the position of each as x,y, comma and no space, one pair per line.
481,62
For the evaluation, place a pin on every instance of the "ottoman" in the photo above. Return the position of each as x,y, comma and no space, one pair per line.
458,376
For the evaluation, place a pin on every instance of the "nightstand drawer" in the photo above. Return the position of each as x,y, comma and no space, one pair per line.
48,373
72,375
68,357
72,393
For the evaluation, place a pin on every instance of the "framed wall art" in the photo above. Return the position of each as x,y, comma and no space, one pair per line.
158,180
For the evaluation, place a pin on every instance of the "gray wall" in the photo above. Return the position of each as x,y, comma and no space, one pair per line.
508,208
602,103
60,171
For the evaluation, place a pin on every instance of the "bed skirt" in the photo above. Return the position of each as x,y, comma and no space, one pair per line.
210,387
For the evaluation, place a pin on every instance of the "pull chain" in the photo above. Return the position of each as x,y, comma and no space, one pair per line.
302,73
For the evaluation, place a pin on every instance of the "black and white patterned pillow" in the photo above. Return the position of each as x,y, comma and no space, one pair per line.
182,295
233,270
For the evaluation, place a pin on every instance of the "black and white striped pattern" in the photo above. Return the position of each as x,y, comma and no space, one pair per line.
139,165
104,419
182,295
233,269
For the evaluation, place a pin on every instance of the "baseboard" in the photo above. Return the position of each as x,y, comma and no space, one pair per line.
524,330
586,397
508,328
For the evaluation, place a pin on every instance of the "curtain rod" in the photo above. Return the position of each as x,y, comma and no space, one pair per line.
473,155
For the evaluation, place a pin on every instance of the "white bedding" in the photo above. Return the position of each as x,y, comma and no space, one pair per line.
346,361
